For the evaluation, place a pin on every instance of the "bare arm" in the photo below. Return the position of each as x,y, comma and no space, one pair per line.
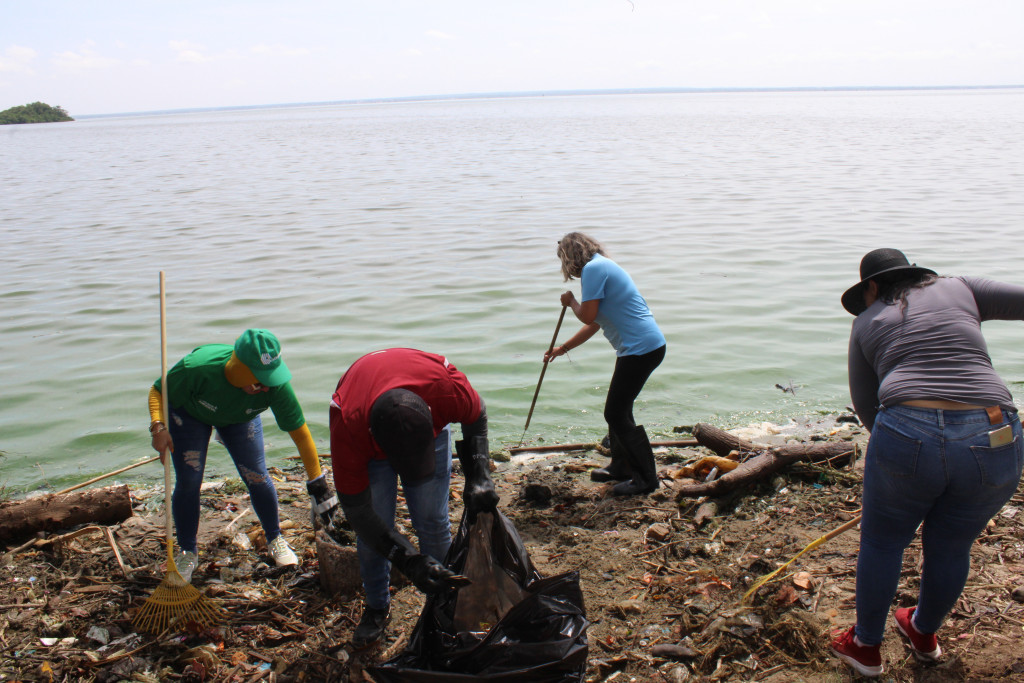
585,333
587,314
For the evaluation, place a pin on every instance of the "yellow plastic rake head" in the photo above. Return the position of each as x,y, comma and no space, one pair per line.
175,603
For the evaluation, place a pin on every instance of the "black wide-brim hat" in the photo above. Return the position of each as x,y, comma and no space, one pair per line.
873,264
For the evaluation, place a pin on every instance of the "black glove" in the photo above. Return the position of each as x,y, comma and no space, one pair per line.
324,503
479,495
429,575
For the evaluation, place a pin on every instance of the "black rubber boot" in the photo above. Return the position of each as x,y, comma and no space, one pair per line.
641,459
371,626
616,470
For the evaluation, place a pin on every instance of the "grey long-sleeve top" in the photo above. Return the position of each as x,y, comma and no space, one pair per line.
934,350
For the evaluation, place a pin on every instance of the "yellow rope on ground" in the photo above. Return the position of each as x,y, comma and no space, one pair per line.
810,546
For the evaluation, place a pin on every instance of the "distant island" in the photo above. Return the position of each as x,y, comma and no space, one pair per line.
37,112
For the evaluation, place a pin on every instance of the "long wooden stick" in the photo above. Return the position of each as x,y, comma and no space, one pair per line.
543,369
117,552
165,455
681,443
108,474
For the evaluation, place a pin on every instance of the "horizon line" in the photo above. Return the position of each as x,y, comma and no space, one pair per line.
559,93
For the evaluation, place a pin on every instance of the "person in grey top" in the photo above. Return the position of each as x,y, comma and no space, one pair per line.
946,449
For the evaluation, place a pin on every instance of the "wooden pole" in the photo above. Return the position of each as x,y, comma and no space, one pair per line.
543,369
681,443
108,474
165,456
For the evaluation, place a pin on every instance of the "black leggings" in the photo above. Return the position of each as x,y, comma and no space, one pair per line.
631,373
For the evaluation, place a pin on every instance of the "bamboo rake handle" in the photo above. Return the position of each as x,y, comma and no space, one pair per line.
165,456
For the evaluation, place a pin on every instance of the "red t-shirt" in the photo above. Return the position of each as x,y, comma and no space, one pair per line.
431,377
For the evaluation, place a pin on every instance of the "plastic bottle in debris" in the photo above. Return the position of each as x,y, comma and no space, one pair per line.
242,541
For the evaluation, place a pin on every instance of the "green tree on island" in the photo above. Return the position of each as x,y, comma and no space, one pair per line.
37,112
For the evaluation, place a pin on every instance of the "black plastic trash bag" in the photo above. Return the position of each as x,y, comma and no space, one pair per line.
540,634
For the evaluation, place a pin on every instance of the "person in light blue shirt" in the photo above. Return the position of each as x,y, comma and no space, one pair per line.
612,303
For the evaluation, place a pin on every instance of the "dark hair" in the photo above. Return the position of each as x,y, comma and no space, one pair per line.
894,287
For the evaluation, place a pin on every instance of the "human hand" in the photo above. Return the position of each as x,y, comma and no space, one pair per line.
568,299
161,439
427,574
553,353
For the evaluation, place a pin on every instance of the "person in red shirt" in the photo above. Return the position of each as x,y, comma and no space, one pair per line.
389,420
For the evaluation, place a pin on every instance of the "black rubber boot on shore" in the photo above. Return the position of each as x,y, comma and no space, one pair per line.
371,627
641,459
616,470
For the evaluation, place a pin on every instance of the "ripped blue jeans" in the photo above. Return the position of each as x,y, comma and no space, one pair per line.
934,469
244,442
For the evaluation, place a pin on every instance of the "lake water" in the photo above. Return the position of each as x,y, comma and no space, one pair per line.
348,228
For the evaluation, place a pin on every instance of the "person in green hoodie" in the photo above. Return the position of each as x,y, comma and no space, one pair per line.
225,388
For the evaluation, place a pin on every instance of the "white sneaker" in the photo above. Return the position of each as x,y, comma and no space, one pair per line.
186,562
282,553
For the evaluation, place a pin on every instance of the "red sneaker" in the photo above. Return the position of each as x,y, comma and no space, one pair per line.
925,645
866,659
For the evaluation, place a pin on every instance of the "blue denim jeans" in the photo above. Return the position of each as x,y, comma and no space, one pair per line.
428,509
244,442
934,469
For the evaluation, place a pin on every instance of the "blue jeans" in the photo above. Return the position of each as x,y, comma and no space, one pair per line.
244,442
936,468
428,509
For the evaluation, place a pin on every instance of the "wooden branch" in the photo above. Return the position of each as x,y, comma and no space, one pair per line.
768,463
52,512
117,553
720,441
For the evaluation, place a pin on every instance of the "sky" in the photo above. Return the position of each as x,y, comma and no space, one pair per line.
119,56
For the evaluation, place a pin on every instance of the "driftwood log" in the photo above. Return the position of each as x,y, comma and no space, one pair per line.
19,519
721,441
765,461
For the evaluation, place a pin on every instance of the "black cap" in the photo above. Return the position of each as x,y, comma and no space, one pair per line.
402,426
872,265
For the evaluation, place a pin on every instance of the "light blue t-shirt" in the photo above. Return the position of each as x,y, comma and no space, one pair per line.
623,315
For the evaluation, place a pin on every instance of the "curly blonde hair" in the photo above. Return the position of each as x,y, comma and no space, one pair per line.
575,251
